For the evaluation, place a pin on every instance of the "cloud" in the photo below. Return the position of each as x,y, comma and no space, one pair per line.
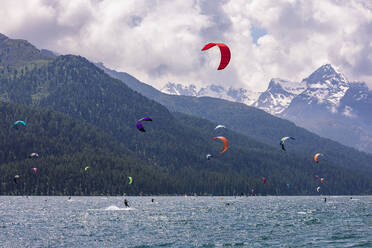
161,41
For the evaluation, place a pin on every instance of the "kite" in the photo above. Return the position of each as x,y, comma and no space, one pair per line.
18,123
225,142
283,140
225,53
139,123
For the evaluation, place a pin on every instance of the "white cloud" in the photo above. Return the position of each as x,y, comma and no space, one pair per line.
160,41
302,35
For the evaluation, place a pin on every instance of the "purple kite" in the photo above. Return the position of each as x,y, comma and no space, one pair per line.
139,123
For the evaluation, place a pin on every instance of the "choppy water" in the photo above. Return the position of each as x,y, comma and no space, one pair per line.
186,222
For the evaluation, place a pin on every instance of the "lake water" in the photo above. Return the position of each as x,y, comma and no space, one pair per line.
39,221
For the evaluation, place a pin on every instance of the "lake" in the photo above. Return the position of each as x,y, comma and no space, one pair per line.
271,221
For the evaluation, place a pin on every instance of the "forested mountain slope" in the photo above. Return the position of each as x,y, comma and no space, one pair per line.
254,123
65,147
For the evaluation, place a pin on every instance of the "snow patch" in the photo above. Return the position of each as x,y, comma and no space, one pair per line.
279,95
348,111
231,94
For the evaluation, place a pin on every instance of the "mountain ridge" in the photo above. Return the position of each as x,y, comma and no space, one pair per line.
217,91
278,95
18,52
247,120
331,107
325,93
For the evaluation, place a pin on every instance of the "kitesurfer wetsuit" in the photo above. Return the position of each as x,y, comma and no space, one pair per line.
126,203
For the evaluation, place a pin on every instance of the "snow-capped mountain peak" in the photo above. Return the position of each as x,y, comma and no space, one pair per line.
335,108
325,86
289,86
323,90
179,89
279,95
326,76
217,91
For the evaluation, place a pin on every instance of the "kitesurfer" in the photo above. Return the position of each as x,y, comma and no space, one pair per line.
325,199
16,178
152,200
126,203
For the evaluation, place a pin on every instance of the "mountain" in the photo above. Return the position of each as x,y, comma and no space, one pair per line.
278,95
48,53
177,142
180,89
335,108
357,102
18,52
252,122
356,105
325,103
217,91
324,90
274,100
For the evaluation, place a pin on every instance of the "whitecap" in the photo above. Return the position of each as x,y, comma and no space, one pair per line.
116,208
112,208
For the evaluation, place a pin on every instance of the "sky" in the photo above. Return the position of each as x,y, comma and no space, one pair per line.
160,41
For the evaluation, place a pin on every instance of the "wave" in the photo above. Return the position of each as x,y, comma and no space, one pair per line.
116,208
